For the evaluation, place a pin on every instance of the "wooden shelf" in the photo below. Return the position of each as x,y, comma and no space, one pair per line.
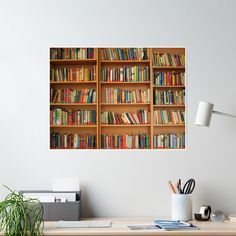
156,148
170,106
123,125
123,149
168,67
125,104
169,87
73,126
73,104
73,61
74,148
169,125
125,83
124,61
73,82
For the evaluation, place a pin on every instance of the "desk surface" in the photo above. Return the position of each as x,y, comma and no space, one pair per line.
119,227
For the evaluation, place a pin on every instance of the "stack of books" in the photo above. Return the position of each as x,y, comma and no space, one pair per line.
117,95
169,78
67,95
169,117
72,141
168,59
59,116
124,54
72,53
125,118
169,141
123,141
76,74
169,97
126,74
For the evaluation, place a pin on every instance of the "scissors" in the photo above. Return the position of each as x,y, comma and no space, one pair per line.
189,186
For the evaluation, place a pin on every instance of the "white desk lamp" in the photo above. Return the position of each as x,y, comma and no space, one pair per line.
204,113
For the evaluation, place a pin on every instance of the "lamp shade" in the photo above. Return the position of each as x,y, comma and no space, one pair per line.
204,113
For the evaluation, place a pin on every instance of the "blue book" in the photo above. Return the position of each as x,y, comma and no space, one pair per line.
175,225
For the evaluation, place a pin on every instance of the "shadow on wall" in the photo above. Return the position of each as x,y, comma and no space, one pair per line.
86,207
218,200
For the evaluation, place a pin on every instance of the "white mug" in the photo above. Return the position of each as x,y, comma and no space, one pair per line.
181,207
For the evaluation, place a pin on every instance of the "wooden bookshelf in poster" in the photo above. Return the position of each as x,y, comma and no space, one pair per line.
170,129
144,135
84,132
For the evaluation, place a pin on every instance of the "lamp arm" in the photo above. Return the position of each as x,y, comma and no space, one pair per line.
223,114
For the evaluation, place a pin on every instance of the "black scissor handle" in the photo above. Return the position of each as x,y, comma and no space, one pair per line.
189,186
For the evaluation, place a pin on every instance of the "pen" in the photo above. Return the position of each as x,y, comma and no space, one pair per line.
180,190
177,187
171,187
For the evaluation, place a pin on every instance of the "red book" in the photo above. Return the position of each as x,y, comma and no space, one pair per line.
124,140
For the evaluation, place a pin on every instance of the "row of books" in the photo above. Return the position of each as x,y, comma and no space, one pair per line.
72,53
126,118
169,97
64,140
126,74
60,116
168,117
169,78
168,59
125,141
67,95
117,95
65,74
116,141
124,54
171,141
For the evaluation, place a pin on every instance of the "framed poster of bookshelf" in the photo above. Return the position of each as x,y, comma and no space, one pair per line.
117,98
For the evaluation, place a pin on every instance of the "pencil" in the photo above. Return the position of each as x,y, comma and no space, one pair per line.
171,187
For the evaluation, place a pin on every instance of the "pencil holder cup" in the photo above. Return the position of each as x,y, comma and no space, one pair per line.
181,207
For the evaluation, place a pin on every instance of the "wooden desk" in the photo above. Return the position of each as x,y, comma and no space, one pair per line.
119,228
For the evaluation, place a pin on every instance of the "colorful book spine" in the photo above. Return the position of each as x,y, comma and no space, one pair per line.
169,97
168,59
59,116
125,118
125,141
169,78
169,141
72,141
67,74
124,54
72,53
168,117
126,74
117,95
67,95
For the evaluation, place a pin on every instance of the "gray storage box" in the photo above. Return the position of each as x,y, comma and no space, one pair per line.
54,211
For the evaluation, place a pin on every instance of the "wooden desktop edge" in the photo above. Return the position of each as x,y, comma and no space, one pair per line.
119,228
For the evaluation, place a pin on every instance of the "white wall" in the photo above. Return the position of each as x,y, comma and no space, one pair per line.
119,183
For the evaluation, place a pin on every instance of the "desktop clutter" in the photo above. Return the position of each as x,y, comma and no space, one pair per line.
63,202
181,204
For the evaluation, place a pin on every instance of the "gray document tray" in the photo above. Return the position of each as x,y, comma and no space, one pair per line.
54,211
